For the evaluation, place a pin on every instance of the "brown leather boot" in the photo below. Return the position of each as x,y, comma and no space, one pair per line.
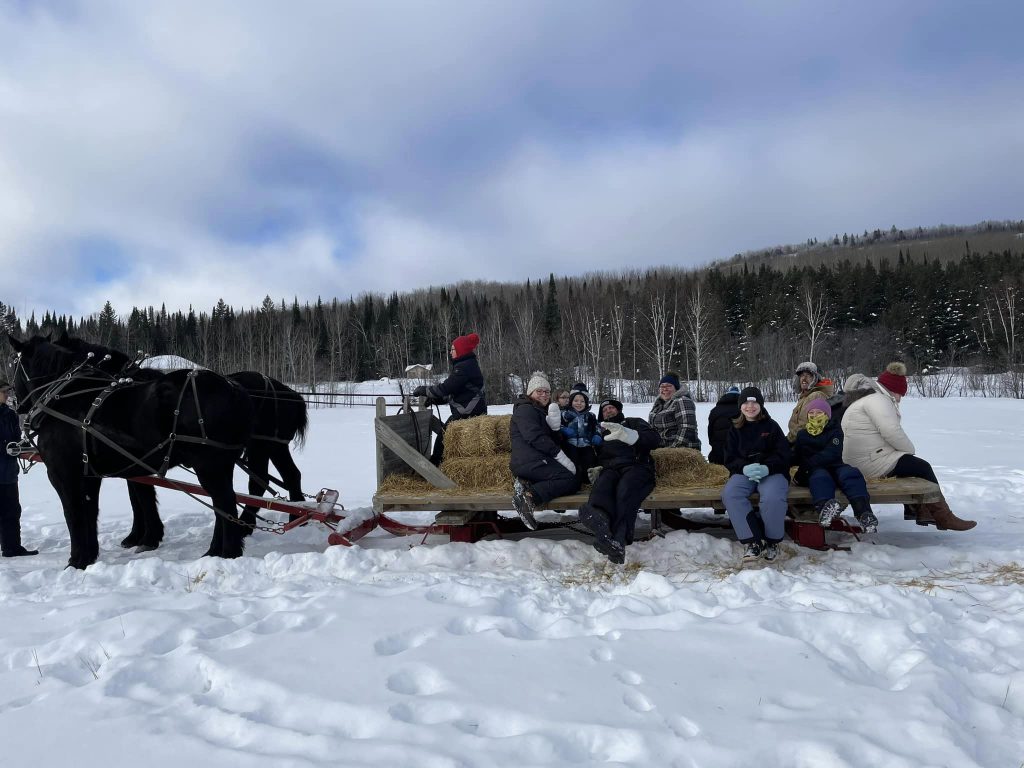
945,520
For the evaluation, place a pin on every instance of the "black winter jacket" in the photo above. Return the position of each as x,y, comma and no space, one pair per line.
814,451
757,442
719,423
532,438
616,454
463,390
10,430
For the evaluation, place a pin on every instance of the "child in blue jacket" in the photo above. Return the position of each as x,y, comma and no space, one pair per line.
579,432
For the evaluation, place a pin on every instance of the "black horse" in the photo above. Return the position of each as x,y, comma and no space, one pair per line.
89,424
279,417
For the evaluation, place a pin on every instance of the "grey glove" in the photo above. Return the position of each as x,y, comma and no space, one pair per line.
592,474
565,461
618,432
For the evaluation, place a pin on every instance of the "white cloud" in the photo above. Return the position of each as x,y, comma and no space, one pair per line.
338,147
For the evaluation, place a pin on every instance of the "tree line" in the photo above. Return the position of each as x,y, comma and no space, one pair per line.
954,313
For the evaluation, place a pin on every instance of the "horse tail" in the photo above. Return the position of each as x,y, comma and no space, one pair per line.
302,422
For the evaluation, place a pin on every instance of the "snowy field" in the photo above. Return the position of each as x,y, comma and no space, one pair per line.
906,650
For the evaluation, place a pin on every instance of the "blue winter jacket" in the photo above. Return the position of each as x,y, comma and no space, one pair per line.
580,428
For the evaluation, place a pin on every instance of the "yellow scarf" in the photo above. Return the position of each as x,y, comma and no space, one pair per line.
816,423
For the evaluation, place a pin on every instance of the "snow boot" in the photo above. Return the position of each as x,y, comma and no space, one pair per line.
597,522
864,514
828,511
522,500
918,513
753,551
770,550
945,520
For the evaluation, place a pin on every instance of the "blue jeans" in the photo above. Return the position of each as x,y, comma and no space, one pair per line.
823,482
769,522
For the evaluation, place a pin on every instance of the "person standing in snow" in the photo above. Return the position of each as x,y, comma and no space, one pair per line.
808,385
463,390
10,502
720,420
757,455
818,455
622,479
541,469
674,414
877,445
579,432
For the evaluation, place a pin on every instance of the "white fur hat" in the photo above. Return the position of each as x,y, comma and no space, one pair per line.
537,381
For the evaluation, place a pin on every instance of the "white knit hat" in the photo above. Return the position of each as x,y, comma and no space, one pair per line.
537,381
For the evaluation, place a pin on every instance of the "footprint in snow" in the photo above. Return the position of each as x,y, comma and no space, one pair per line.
629,677
637,701
602,654
403,641
417,681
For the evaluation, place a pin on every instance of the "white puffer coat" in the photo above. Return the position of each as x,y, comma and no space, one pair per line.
873,438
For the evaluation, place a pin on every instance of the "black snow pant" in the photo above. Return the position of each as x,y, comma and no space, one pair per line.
583,457
547,479
10,519
438,452
619,492
911,466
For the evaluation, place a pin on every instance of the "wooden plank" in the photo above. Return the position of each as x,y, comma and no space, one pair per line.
411,456
452,517
902,491
381,411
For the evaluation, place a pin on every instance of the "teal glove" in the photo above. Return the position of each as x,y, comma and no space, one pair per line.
756,472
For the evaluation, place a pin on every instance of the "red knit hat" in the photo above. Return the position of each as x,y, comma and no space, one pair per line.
894,378
465,344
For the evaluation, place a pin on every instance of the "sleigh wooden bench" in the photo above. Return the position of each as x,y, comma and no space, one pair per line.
402,444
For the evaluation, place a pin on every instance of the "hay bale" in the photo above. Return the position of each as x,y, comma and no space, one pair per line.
402,484
479,436
481,473
686,468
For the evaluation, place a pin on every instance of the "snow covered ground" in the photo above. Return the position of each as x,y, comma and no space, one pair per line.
904,651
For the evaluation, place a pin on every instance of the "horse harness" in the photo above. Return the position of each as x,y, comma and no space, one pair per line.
54,390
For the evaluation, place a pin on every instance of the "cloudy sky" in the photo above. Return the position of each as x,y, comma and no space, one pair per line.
184,151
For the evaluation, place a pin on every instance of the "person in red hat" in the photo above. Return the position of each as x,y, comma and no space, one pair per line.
463,390
876,444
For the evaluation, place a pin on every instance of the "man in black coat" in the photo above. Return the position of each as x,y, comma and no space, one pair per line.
463,390
622,480
10,503
725,412
542,470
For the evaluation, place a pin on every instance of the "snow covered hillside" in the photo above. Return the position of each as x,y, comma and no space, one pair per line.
905,651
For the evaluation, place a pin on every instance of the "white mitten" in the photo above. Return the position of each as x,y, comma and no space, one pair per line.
618,432
565,461
593,472
554,417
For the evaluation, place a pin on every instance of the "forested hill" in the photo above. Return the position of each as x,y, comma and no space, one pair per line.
939,298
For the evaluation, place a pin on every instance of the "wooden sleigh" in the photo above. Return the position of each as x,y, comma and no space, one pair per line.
403,443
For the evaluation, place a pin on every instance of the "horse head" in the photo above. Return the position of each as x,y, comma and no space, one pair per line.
39,363
106,359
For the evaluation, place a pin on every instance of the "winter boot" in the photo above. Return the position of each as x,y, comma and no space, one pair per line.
20,552
919,513
945,520
770,550
522,500
753,550
597,521
865,516
827,511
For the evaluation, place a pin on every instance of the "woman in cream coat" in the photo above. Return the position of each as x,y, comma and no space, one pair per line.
876,444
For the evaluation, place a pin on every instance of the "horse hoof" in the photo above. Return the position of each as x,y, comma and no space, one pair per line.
129,542
144,548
